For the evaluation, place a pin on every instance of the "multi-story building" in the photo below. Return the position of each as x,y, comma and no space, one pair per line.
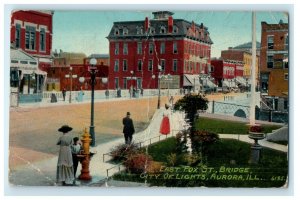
31,31
274,64
143,51
31,43
227,73
244,56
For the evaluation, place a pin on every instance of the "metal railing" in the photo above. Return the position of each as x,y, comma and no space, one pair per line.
150,140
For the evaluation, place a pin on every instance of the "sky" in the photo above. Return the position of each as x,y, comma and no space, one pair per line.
86,31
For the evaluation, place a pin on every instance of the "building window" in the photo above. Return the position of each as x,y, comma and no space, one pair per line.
116,67
125,83
175,50
14,78
286,44
42,39
124,65
175,29
151,47
139,30
270,42
163,64
140,63
139,83
212,68
116,48
285,104
30,38
270,61
125,49
286,76
175,65
116,83
152,30
162,30
162,47
18,35
139,48
125,31
150,65
117,31
286,61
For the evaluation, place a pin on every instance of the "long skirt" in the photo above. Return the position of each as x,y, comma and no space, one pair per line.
65,174
165,126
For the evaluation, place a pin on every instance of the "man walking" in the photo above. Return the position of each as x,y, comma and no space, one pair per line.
128,129
64,93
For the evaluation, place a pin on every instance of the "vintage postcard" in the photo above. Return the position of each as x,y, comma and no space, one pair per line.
152,98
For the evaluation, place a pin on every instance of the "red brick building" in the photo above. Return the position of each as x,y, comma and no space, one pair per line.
227,73
138,48
274,64
57,79
31,31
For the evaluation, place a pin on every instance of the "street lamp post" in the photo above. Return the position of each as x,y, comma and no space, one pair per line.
93,71
159,77
71,76
131,84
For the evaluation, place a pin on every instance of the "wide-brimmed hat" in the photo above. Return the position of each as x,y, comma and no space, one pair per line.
65,129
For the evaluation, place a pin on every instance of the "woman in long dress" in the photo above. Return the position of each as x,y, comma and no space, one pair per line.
65,170
165,123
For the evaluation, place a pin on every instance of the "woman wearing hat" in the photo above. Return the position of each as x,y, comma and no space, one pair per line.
65,170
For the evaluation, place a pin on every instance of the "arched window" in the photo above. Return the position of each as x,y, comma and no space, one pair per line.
163,29
117,32
125,31
175,29
152,30
139,30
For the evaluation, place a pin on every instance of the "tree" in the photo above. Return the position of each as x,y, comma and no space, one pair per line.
190,104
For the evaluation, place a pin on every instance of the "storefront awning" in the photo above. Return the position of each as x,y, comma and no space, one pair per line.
241,80
211,84
191,80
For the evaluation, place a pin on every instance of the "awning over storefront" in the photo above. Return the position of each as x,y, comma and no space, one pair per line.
191,80
211,84
225,83
241,80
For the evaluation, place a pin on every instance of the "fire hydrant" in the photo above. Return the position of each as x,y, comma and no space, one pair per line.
85,163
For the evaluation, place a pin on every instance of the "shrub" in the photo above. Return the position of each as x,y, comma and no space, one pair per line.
122,151
205,137
138,163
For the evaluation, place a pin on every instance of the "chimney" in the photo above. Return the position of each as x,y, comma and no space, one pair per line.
147,24
170,24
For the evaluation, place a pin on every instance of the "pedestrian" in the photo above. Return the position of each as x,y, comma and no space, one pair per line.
171,101
142,91
53,97
64,93
65,170
107,93
128,128
80,95
165,123
76,150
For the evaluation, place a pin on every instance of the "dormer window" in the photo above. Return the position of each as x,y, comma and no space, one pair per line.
175,29
117,31
152,30
125,31
163,29
139,30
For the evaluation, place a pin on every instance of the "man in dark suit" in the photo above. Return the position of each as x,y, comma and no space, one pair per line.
128,129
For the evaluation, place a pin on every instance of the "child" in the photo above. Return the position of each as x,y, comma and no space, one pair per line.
76,148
